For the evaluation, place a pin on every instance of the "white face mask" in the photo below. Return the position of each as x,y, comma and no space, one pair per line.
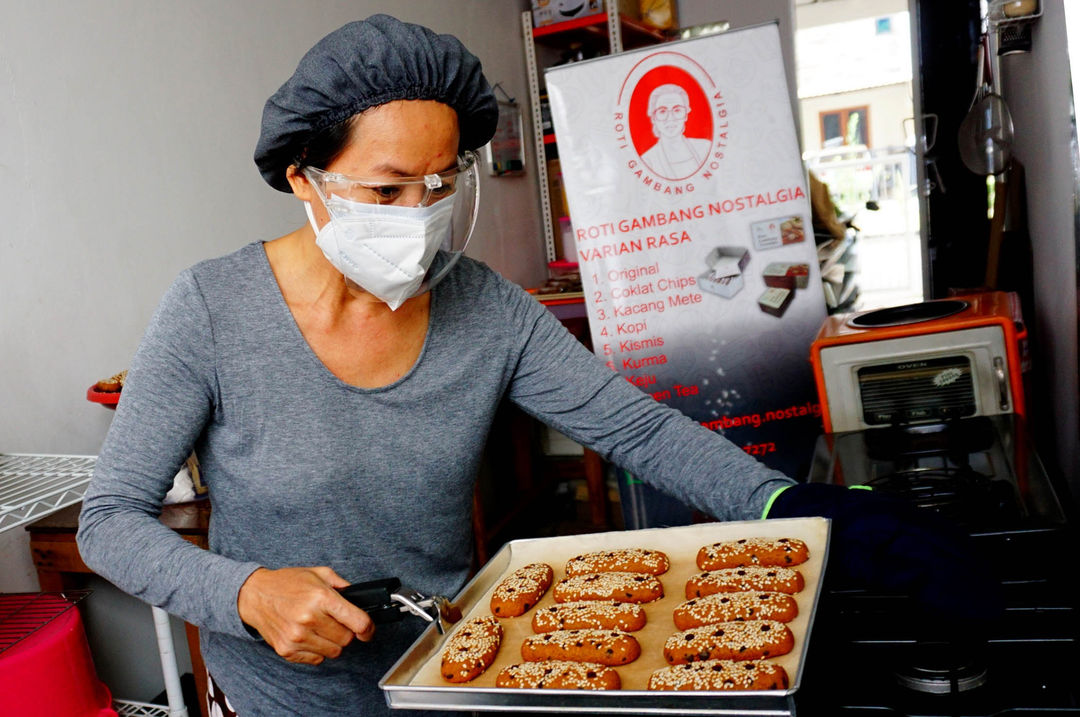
384,249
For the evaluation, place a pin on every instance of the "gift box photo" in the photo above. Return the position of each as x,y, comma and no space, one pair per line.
549,12
783,275
726,265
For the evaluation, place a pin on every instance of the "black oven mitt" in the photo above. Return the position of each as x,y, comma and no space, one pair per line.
884,543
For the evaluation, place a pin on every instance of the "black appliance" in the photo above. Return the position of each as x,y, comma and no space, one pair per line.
867,657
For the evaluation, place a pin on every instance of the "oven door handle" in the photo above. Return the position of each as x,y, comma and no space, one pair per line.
1003,383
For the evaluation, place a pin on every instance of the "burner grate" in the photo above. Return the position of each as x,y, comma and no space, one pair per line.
960,493
942,669
23,614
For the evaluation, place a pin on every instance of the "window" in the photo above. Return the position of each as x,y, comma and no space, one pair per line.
843,127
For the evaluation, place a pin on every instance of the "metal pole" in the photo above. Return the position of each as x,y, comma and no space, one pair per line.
177,708
533,71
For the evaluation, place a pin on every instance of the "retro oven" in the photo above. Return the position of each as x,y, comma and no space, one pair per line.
938,360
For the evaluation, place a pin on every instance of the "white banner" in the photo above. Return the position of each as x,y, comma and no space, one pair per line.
693,234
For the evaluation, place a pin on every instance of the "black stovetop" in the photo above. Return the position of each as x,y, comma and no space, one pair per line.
867,656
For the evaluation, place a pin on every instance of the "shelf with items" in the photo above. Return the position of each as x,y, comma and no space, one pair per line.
596,29
1011,22
1013,12
578,39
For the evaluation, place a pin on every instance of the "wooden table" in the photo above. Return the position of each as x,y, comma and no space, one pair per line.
58,563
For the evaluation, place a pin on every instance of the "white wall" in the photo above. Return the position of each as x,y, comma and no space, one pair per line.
1037,88
126,135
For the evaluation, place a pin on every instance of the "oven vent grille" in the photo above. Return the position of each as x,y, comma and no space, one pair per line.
921,390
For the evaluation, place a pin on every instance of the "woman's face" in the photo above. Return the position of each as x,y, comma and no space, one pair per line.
669,114
404,138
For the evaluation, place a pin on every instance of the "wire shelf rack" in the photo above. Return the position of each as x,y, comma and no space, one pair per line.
32,486
129,708
35,485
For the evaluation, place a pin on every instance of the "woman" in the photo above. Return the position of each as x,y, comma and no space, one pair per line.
338,384
674,156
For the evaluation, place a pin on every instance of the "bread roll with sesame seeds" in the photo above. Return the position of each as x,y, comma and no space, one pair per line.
559,675
746,640
590,614
720,675
621,587
725,607
783,552
751,577
471,649
606,647
619,560
521,590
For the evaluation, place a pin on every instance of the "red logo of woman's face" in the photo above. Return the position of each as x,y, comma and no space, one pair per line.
669,108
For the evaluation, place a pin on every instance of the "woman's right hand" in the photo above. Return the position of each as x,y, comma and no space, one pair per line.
300,614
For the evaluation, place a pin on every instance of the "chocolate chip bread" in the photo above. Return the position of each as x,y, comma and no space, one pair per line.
621,587
559,675
783,552
520,590
471,649
590,614
725,607
606,647
720,675
747,640
751,577
621,560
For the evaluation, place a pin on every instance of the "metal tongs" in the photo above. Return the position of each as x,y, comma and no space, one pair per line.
387,601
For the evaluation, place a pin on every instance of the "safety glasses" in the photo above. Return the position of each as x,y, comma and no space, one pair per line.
420,191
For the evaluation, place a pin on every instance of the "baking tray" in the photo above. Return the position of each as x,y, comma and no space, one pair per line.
414,681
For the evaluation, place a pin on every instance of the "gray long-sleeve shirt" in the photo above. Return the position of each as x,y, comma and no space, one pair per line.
306,470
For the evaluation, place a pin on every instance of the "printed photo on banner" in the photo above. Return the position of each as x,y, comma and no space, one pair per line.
671,121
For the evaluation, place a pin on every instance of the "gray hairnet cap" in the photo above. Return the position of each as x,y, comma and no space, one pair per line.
365,64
